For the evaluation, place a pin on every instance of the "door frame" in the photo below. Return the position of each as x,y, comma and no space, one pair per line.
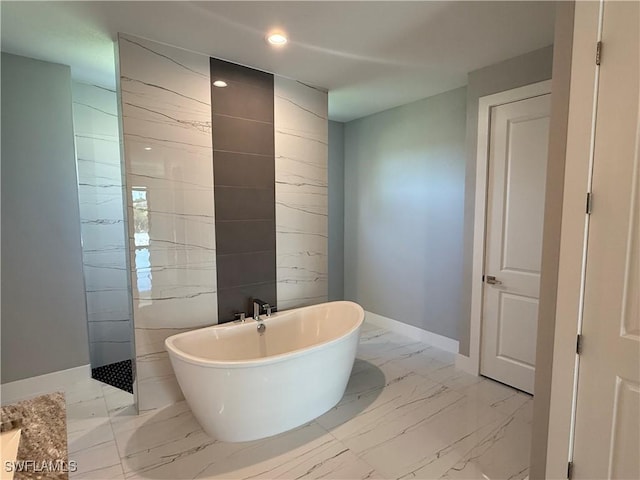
472,364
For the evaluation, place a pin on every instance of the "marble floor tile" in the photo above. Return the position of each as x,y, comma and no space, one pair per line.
100,461
426,440
83,391
503,454
172,424
87,417
391,352
407,413
376,343
503,399
430,447
306,452
116,399
99,433
424,361
363,407
368,327
450,376
177,458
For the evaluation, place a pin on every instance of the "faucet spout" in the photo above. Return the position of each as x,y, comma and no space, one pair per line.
260,306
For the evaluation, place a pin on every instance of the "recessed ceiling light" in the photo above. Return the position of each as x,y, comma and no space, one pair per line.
277,38
147,148
220,83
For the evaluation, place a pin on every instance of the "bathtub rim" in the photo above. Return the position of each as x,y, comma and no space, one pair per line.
174,351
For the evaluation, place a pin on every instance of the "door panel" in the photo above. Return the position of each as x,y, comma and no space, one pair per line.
510,344
518,144
525,182
607,432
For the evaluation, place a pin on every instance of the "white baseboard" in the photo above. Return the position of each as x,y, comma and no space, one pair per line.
465,364
430,338
51,382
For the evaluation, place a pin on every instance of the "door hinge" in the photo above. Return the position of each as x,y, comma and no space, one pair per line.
589,206
569,470
598,52
579,344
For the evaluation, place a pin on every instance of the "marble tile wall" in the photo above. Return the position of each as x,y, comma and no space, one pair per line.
100,191
166,115
166,107
301,151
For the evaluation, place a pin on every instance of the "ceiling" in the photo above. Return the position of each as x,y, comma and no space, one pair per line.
371,56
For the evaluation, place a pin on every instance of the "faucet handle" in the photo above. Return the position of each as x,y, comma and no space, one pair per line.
268,308
241,316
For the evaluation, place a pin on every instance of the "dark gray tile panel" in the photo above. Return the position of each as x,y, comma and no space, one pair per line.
242,236
240,203
237,269
241,170
242,136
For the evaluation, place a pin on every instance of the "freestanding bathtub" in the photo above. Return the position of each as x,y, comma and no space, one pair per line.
242,385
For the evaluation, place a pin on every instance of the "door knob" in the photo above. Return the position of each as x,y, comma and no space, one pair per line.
491,280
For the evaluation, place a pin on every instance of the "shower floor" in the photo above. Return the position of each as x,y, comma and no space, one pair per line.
119,375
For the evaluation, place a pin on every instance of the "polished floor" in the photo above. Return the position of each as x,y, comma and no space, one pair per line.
407,413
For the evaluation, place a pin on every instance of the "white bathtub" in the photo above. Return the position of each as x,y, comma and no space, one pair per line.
242,386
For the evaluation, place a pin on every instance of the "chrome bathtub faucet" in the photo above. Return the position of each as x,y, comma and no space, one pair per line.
257,306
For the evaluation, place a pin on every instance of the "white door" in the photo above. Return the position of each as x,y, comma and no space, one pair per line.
607,432
518,141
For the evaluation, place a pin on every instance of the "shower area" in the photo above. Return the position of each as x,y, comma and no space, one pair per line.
104,234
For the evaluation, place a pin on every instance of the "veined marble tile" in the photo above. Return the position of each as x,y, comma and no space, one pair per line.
525,412
151,340
166,107
373,395
107,304
116,400
156,379
101,473
154,373
100,462
175,424
90,437
307,452
99,434
175,460
301,151
424,361
391,423
381,346
501,398
453,377
110,351
85,400
425,442
125,421
304,107
100,193
504,453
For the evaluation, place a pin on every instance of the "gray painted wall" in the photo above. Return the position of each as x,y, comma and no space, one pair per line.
404,196
529,68
336,211
44,320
